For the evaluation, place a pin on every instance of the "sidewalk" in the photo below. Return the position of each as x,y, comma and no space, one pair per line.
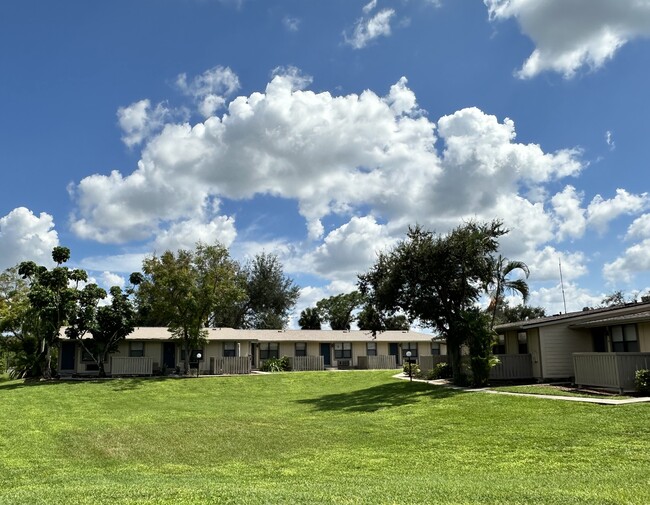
600,401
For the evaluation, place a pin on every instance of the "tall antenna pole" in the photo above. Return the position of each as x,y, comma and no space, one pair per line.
562,284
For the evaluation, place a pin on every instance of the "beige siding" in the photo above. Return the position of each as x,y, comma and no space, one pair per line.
287,349
512,344
558,343
644,337
313,349
533,349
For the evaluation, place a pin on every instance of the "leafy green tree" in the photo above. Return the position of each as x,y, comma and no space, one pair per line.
371,319
52,296
435,279
613,299
309,319
107,325
480,339
337,310
519,312
183,290
501,283
269,296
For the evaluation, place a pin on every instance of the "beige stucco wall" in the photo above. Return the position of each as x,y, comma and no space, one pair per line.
557,344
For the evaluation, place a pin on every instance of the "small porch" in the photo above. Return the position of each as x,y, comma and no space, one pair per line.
609,370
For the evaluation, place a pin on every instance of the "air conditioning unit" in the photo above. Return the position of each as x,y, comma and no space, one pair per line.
343,363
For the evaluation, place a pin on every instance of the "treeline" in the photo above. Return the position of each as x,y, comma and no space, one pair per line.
432,280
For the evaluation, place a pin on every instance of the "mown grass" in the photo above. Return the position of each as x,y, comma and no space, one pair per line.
348,438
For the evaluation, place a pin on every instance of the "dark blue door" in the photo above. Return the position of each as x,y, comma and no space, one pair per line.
68,351
169,354
393,350
326,354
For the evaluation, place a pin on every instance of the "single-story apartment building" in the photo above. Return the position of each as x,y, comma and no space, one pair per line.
600,347
149,350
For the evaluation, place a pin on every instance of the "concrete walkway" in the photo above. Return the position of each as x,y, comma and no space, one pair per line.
601,401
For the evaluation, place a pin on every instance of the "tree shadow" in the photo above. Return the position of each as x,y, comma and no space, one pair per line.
393,394
117,383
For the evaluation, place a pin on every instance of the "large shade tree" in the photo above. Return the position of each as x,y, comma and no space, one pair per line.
436,279
183,290
268,296
338,310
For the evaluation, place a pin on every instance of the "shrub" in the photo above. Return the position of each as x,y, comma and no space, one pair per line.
442,371
276,365
415,369
642,381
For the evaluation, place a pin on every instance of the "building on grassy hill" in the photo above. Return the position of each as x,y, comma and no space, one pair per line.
595,347
151,350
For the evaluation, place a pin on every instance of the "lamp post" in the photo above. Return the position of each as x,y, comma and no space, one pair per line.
198,363
408,357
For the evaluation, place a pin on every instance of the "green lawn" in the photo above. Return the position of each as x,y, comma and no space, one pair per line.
349,438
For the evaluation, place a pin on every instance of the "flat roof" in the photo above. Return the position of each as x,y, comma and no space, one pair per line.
231,334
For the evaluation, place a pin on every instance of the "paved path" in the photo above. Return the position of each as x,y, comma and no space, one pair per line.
601,401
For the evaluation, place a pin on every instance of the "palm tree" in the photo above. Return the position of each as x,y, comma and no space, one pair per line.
502,285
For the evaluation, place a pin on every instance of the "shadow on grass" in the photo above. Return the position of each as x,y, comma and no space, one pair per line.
117,384
393,394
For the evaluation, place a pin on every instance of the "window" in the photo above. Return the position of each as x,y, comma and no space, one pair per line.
624,338
86,356
410,346
500,346
136,349
371,349
342,350
301,349
522,340
435,348
269,350
229,350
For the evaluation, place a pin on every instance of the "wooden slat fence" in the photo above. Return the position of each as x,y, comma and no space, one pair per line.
428,362
232,365
131,366
381,362
610,370
512,366
305,363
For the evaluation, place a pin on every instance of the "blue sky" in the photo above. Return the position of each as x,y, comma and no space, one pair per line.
320,130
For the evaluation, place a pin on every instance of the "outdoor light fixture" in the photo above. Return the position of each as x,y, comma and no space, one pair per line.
408,357
198,364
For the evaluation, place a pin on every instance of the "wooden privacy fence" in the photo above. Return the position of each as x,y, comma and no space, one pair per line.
232,365
382,362
610,370
428,362
305,363
131,366
512,366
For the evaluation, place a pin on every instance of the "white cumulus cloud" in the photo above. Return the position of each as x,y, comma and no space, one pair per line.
25,236
572,34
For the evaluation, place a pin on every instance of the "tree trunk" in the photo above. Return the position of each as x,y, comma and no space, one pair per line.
46,371
456,362
102,370
186,361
